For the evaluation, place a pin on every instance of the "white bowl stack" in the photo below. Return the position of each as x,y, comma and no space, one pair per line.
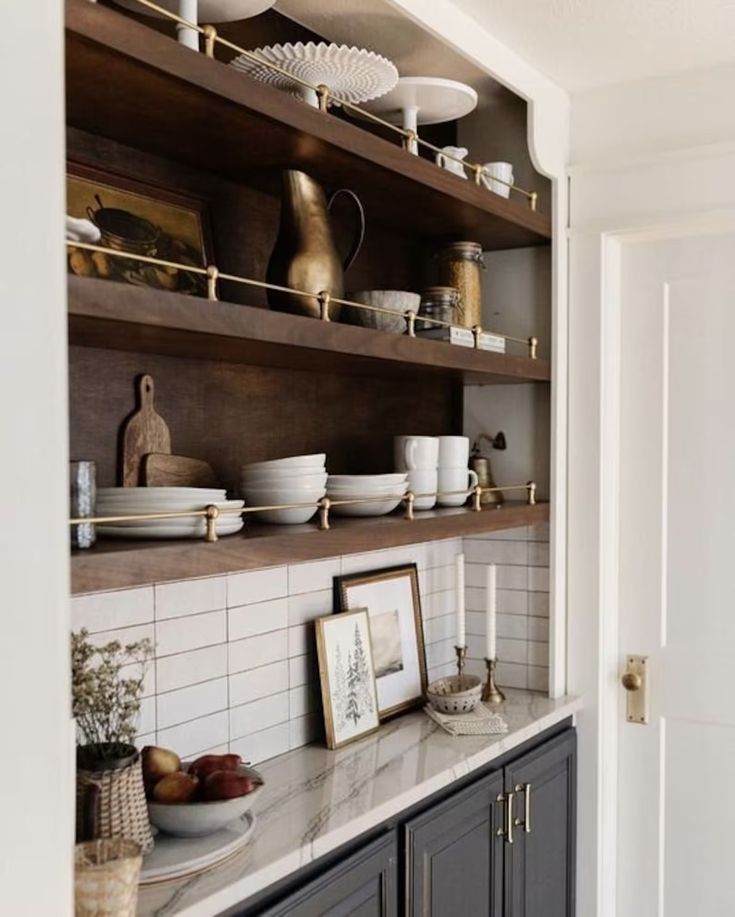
391,487
297,479
131,501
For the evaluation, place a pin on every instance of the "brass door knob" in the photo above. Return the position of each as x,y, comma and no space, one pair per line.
631,681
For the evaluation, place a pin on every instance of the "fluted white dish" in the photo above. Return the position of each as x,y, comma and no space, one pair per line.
353,74
316,460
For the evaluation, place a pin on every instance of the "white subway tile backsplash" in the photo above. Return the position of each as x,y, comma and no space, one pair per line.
196,736
256,586
235,655
174,600
259,746
190,668
190,703
539,532
304,608
179,635
261,618
313,577
261,682
258,715
257,651
496,552
102,611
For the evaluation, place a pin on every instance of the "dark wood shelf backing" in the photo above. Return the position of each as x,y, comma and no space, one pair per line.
123,564
128,82
120,316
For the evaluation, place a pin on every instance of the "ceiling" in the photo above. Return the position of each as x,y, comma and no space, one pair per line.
585,43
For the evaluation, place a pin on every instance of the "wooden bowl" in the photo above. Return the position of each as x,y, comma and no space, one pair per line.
455,694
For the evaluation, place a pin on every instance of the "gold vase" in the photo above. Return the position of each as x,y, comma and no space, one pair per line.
305,255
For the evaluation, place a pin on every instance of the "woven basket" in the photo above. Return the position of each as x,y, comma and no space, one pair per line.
111,801
106,874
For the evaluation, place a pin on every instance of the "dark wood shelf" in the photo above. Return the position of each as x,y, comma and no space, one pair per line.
122,564
127,82
119,316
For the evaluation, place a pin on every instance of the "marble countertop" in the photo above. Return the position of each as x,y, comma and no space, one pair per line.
315,800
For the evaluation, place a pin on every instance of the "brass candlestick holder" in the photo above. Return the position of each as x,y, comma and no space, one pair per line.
461,652
491,693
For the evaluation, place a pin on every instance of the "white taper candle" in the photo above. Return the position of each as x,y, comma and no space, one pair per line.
491,609
460,600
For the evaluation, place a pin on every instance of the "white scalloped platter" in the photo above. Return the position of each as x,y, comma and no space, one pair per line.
354,74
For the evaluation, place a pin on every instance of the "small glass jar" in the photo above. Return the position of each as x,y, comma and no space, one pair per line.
83,496
441,303
461,266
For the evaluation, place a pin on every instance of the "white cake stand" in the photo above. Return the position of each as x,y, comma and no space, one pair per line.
201,11
424,100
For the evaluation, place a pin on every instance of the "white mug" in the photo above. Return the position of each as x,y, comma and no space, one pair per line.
454,451
501,170
413,452
423,481
451,480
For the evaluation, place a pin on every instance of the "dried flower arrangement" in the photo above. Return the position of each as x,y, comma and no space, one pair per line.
106,700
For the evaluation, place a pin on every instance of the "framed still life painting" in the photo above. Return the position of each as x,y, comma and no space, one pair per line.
391,598
346,675
142,220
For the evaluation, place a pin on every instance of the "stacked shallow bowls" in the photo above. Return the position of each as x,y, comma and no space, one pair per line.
130,501
391,487
296,479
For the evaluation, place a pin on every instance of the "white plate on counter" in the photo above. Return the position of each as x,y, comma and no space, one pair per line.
176,857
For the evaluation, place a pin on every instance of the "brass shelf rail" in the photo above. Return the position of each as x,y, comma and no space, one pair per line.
211,512
325,299
410,138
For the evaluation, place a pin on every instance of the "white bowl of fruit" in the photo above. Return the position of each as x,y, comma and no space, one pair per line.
196,798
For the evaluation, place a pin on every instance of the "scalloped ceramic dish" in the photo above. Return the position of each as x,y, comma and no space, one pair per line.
353,74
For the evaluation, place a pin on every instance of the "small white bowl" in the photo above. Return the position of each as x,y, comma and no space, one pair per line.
291,494
291,480
454,695
197,819
292,462
377,508
367,480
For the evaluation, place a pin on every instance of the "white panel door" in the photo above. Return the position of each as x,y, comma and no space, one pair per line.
676,790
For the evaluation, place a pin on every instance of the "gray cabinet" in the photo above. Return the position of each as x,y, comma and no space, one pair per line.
539,864
362,885
454,858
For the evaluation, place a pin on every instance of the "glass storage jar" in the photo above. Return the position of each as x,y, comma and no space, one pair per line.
460,266
441,303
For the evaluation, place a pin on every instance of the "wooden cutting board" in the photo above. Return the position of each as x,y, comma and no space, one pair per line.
162,470
142,432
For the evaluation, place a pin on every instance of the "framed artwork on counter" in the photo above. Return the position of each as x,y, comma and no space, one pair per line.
391,598
346,676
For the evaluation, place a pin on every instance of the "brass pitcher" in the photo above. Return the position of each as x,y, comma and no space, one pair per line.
305,256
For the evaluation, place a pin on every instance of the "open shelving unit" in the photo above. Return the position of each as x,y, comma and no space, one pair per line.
265,383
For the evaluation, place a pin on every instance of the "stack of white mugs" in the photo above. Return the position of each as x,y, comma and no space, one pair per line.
436,465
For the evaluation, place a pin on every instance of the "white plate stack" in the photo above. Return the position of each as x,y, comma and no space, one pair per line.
131,501
391,487
297,479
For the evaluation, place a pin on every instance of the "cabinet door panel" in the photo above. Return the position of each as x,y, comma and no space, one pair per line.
454,859
363,885
539,866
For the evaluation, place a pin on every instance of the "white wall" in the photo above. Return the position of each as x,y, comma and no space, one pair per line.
657,154
36,828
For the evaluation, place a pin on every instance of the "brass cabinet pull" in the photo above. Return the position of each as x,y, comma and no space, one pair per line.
524,788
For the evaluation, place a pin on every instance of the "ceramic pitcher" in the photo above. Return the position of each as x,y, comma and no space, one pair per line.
305,255
451,165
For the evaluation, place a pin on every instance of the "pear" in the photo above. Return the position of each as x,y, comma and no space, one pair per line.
157,763
227,785
208,764
177,787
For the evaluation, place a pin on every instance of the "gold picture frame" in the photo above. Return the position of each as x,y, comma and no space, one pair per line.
400,662
346,676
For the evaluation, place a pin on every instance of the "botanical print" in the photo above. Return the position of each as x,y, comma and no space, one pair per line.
137,219
391,597
346,672
385,633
